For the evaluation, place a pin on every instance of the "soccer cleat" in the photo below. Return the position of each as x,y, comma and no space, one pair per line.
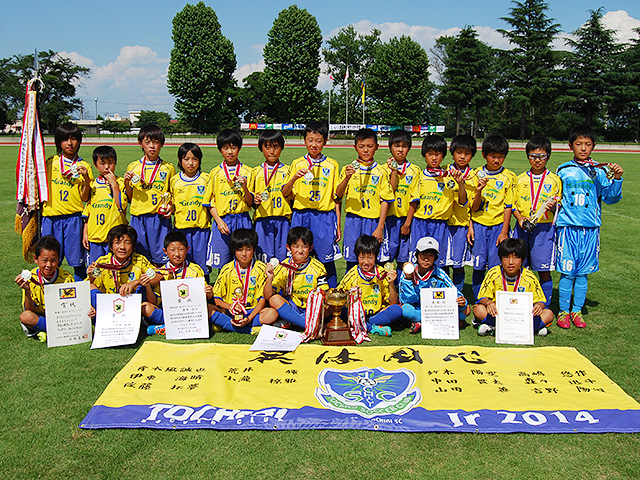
415,327
564,320
578,321
255,330
485,329
281,324
155,330
383,331
542,332
216,328
42,336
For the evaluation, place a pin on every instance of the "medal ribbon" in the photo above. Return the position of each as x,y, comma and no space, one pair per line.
265,169
417,277
403,170
465,172
504,281
357,318
114,267
156,167
45,281
291,275
312,314
437,172
536,196
589,162
62,159
236,172
175,271
311,162
369,276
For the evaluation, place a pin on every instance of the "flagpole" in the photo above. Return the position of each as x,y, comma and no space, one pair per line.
346,104
330,107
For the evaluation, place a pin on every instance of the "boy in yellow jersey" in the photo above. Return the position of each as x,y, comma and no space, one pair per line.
228,198
510,276
404,179
312,181
434,197
146,182
191,217
122,271
69,180
538,190
379,295
458,254
239,288
273,210
491,207
107,206
46,257
366,187
288,285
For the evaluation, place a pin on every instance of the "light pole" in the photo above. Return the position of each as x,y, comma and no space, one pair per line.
95,99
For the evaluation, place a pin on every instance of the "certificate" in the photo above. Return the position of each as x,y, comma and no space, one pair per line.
117,320
272,339
514,323
184,304
67,308
439,313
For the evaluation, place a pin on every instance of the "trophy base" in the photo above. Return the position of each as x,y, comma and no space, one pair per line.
528,226
337,336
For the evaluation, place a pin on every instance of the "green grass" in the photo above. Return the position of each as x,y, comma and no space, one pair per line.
45,393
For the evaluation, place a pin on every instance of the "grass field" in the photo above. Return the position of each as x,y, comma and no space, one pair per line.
45,393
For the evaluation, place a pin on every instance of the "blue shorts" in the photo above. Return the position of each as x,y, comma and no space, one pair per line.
219,252
96,250
354,228
272,237
540,246
324,226
68,231
151,229
484,252
458,253
224,320
429,228
398,244
578,250
198,240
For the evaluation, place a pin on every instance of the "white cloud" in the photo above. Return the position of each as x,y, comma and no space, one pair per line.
245,70
623,23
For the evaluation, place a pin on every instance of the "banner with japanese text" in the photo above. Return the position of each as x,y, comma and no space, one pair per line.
402,389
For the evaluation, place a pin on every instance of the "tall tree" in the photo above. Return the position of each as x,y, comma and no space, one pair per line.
398,81
151,117
254,99
531,67
201,68
56,100
292,66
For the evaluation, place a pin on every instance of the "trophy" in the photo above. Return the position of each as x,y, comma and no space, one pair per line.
530,223
165,204
237,297
336,331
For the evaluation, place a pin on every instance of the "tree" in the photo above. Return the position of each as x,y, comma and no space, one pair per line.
201,68
292,67
398,81
151,117
56,100
114,126
253,99
531,69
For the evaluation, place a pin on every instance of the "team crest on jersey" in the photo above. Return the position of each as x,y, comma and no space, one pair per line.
499,184
375,179
376,288
325,171
409,179
308,277
200,189
440,187
368,392
252,281
521,288
163,176
547,188
433,283
132,276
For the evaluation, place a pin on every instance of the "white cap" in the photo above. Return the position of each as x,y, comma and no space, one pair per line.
428,243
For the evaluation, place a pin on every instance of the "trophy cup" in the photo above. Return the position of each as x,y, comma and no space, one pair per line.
165,204
336,331
530,223
237,296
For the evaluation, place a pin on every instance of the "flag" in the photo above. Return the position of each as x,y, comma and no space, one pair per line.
346,75
362,88
331,77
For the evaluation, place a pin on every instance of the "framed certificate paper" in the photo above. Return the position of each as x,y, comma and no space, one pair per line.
514,323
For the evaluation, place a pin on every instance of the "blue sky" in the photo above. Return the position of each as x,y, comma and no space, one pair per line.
127,44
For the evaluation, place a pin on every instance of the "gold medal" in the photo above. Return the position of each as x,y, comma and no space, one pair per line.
388,267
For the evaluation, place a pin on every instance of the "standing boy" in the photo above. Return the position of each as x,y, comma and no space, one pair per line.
584,186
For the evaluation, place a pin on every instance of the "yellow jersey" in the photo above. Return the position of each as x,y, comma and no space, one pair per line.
147,193
106,281
101,212
497,195
434,196
228,280
318,193
37,291
188,198
493,282
220,192
375,291
366,189
408,183
64,191
190,270
551,186
306,278
460,214
276,205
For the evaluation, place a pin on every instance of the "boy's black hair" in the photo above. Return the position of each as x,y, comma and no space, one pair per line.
316,127
119,231
465,142
104,151
243,237
66,131
365,134
270,137
300,233
228,136
186,148
48,242
538,142
436,143
400,136
152,132
582,131
495,144
515,246
175,236
366,244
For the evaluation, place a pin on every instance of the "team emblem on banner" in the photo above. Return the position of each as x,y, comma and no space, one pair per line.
368,392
